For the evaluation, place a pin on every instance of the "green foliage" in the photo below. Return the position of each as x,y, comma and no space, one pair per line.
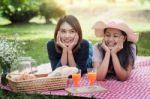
18,11
50,9
143,44
143,1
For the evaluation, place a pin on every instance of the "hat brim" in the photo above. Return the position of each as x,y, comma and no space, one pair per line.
100,26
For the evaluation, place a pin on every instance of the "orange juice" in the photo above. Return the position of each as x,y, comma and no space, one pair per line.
92,77
76,78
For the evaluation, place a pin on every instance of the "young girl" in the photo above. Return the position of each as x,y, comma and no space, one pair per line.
68,47
116,54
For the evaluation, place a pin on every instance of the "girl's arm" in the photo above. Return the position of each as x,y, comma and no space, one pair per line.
121,73
102,68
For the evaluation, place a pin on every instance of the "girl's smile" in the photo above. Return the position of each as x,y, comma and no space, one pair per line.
112,36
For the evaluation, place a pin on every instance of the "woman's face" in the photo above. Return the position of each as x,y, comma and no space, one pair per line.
67,33
112,36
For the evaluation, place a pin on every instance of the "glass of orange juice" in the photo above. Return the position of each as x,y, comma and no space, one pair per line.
91,75
76,78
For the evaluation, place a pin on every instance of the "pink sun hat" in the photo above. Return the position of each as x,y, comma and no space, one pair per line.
116,24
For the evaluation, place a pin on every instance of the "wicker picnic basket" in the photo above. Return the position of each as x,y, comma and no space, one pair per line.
38,84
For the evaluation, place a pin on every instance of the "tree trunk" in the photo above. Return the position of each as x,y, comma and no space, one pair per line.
48,21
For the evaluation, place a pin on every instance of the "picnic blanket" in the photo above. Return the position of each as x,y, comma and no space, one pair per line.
136,87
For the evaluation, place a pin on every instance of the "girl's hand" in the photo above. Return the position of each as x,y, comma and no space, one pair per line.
105,47
118,46
59,42
75,41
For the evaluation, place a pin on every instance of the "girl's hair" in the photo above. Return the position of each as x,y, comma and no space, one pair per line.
126,56
73,21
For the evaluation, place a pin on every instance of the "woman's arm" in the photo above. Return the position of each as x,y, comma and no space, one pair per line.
53,55
63,59
71,60
121,73
81,57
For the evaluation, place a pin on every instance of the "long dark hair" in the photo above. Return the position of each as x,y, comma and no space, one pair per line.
73,21
125,55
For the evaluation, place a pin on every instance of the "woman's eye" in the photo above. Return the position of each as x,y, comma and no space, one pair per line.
72,31
63,31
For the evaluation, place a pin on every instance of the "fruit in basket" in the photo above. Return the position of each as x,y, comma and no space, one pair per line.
41,75
24,77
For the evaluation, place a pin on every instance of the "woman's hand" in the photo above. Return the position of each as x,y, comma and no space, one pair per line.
105,47
118,46
59,42
75,41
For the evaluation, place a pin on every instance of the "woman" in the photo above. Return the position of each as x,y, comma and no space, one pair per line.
68,47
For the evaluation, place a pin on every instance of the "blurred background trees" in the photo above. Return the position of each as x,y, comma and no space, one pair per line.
141,1
51,10
144,1
21,11
18,11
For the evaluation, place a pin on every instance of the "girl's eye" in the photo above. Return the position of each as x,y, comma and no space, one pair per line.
116,36
107,35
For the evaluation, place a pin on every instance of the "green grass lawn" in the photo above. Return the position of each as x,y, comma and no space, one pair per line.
36,36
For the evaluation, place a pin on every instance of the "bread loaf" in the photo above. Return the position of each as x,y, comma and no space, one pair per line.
63,71
69,70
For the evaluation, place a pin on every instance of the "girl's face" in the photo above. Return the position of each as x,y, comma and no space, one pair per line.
67,33
112,36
